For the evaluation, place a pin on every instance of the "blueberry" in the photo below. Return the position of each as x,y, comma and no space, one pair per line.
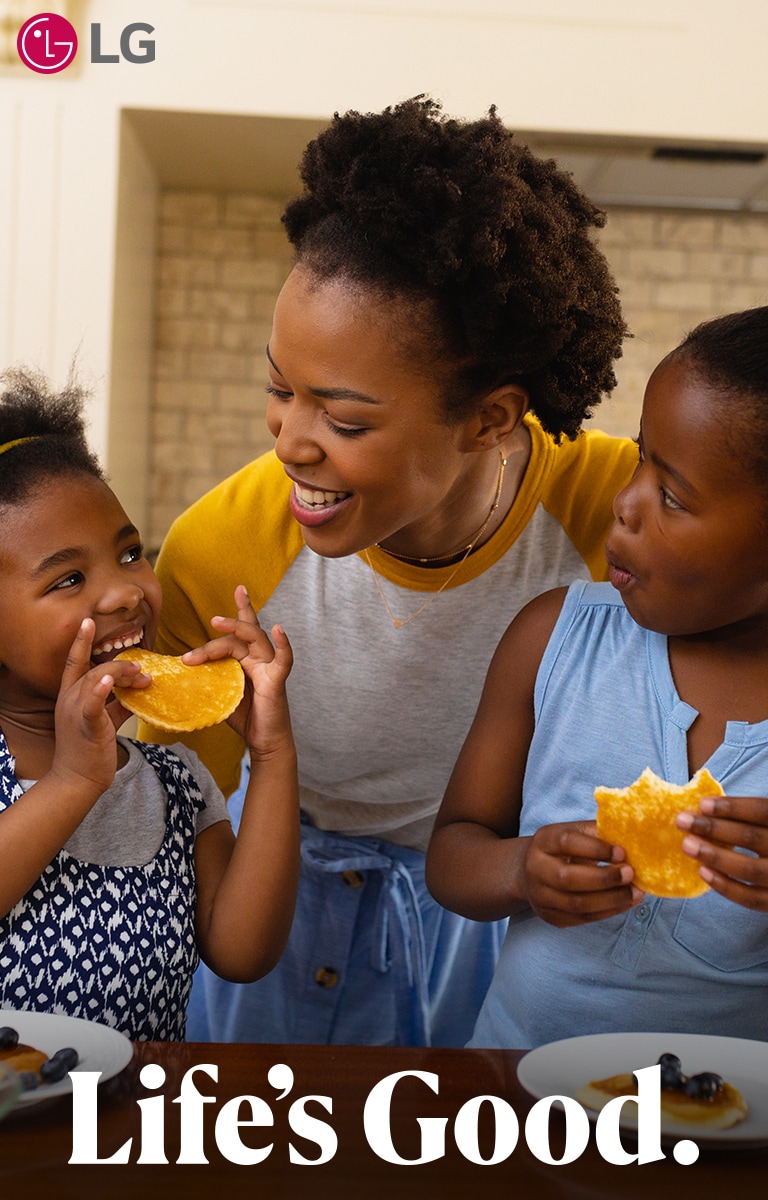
8,1037
704,1086
28,1081
672,1079
56,1067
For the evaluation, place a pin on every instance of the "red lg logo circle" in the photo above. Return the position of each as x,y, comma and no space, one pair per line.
47,43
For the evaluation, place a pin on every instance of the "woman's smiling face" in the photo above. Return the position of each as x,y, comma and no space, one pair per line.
359,424
689,549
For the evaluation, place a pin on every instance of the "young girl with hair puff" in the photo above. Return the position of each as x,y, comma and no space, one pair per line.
664,667
118,864
448,325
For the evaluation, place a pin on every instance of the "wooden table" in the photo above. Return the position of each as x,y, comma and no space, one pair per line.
36,1143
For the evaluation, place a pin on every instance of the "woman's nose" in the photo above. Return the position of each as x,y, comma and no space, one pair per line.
291,425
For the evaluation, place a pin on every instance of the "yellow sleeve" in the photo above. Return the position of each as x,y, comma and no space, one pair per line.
240,532
587,474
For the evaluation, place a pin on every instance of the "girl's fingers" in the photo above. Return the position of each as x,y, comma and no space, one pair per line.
243,604
283,659
242,637
748,895
751,869
79,658
223,647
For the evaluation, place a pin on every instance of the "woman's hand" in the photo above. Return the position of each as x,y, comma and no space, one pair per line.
261,718
721,824
573,877
87,716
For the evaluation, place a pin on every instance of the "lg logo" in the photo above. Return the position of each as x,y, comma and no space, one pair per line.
47,44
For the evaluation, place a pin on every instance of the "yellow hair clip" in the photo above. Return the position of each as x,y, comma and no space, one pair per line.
18,442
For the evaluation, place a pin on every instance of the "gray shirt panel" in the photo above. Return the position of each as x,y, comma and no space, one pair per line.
126,826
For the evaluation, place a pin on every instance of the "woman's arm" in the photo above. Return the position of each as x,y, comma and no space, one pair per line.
477,864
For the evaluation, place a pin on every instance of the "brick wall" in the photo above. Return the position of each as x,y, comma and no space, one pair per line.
674,269
222,260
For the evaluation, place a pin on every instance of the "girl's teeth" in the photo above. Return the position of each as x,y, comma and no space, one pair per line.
119,644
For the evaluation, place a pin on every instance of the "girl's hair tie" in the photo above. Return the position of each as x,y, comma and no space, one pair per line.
18,442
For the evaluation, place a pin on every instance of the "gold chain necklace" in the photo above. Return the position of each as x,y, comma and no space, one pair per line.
398,624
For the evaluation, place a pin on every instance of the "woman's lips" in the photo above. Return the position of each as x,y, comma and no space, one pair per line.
315,506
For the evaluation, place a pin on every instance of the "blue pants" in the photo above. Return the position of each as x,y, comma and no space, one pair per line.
372,959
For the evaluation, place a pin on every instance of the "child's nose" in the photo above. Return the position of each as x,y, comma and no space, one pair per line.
122,595
626,508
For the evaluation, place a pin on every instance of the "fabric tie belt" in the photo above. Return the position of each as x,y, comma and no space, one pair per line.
397,922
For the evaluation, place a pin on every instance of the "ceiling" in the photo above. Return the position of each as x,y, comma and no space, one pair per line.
232,152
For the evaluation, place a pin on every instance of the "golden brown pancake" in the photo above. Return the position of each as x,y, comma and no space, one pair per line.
725,1109
23,1058
641,819
180,697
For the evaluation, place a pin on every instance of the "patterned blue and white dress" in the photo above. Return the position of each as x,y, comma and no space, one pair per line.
110,944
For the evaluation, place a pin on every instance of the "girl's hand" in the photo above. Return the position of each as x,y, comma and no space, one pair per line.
262,717
573,877
722,823
86,719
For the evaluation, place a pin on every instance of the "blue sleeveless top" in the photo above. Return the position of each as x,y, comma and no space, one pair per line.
110,944
606,708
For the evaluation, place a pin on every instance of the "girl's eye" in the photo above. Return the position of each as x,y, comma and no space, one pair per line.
132,554
69,581
667,500
271,390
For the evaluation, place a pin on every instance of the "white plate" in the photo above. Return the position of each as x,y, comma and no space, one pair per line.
99,1047
561,1068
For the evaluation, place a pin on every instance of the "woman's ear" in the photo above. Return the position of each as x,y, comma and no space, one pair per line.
498,417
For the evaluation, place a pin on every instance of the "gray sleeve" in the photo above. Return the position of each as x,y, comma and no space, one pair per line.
215,804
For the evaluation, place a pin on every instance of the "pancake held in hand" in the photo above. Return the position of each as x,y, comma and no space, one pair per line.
182,698
641,819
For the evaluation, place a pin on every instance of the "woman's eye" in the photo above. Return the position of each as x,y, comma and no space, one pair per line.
278,394
345,430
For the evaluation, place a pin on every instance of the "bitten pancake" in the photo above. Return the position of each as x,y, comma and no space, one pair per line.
182,698
641,819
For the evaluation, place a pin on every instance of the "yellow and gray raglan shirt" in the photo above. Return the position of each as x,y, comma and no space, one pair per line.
379,714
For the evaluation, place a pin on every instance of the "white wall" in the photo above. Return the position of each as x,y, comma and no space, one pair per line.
690,69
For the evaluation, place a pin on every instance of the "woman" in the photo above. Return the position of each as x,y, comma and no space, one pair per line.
446,287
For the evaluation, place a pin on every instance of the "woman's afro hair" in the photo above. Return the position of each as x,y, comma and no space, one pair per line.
55,425
411,203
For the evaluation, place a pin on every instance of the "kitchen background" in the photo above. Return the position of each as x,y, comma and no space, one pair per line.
140,205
